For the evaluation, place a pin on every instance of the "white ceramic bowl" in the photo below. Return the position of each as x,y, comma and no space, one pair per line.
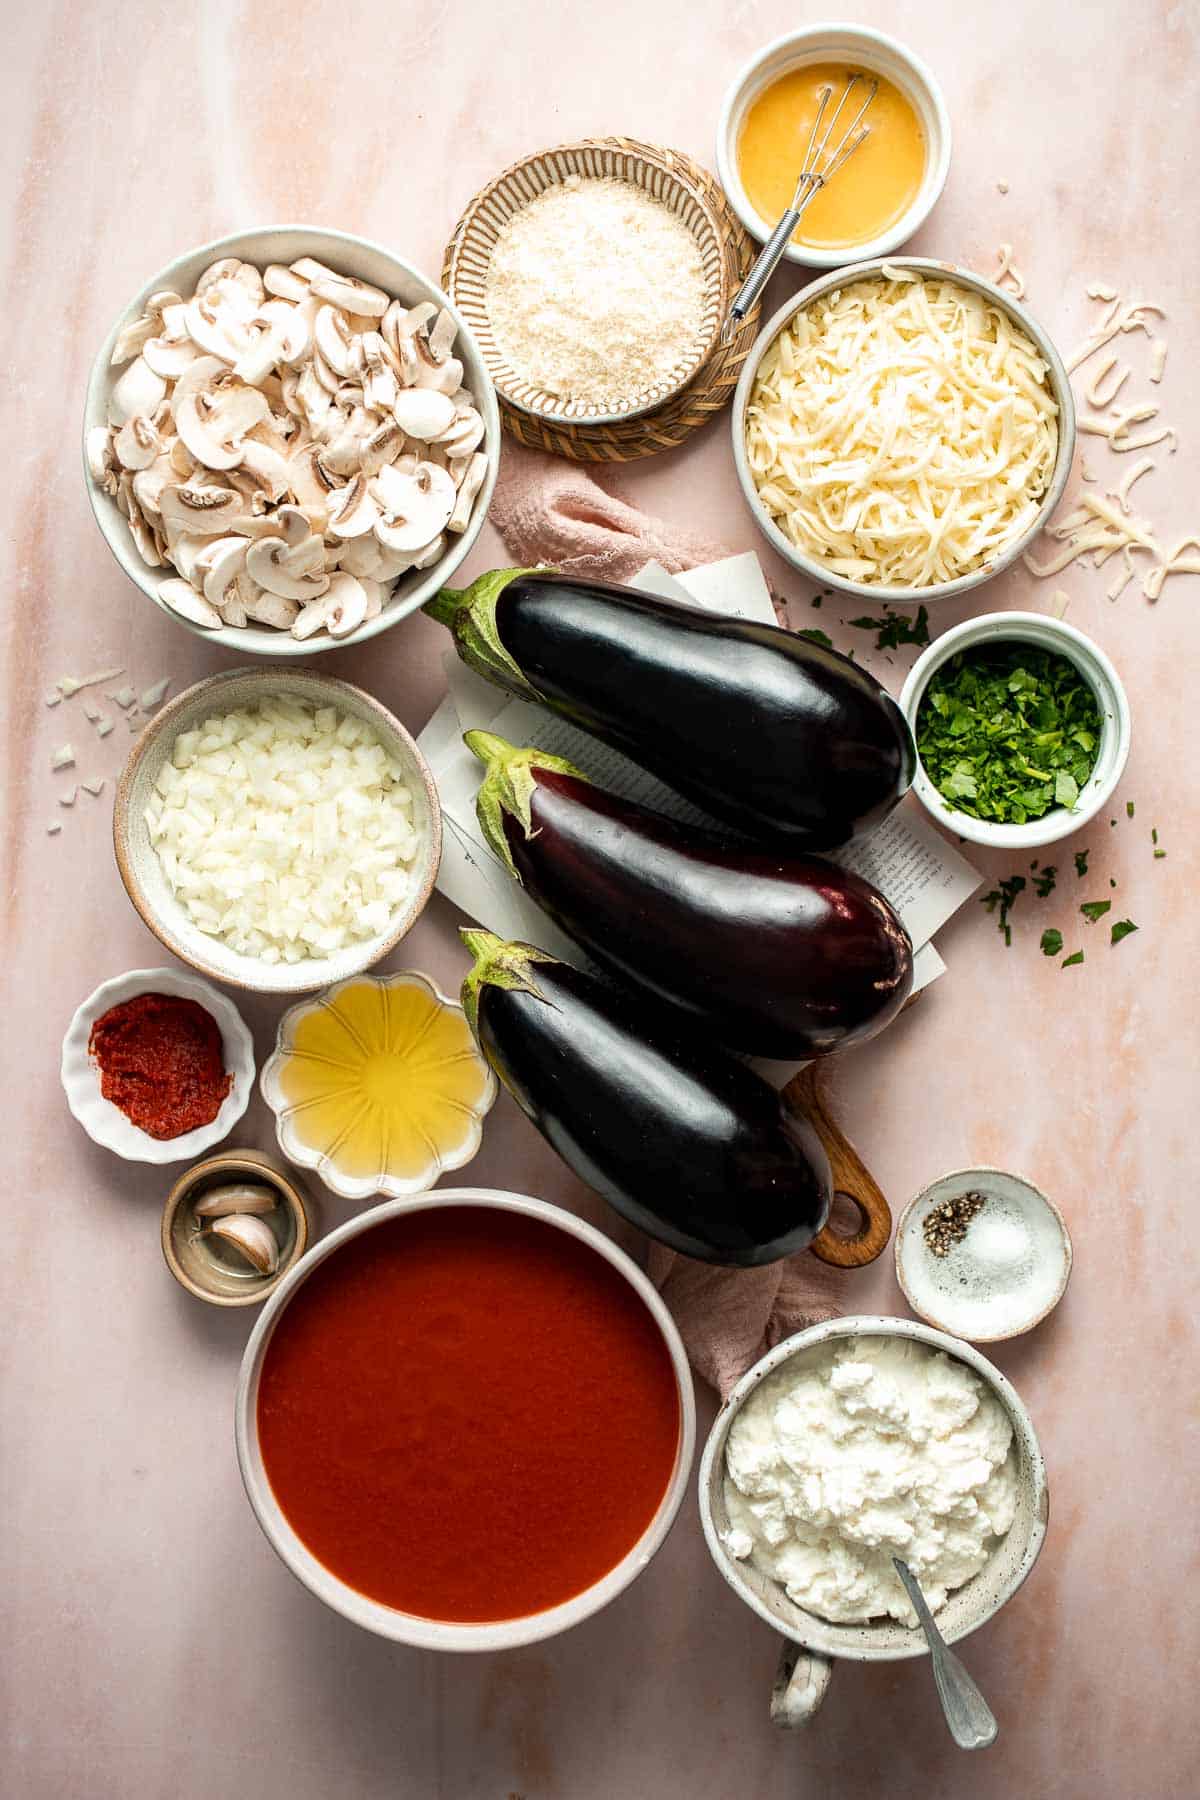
105,1123
977,1296
456,1149
1048,634
142,873
386,1621
1060,387
878,1640
863,48
349,255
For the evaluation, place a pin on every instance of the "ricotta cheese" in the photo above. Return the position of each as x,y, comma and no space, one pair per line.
862,1449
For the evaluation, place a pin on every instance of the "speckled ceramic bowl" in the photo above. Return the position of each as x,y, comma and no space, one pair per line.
105,1123
813,1644
451,1151
147,885
351,256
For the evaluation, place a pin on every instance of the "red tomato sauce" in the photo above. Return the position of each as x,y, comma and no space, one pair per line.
468,1415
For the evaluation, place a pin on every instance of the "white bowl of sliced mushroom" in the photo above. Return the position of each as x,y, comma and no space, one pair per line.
290,440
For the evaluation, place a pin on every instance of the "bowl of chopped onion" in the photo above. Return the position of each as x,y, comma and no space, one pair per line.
902,430
278,830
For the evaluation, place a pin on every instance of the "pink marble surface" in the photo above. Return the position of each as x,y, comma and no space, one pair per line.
153,1646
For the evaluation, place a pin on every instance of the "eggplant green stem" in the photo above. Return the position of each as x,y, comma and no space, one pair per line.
508,787
499,965
470,614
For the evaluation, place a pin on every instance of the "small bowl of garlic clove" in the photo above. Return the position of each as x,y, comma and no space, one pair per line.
233,1226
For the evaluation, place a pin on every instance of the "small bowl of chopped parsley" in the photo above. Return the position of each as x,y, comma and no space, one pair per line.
1022,729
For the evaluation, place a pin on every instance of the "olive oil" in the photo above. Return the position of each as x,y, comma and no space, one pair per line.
383,1078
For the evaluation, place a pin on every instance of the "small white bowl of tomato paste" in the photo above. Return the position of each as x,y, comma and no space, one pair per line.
157,1066
465,1420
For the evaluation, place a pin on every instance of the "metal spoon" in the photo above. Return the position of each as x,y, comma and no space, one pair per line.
970,1718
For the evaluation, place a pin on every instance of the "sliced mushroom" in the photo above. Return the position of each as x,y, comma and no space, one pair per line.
133,338
422,414
278,334
203,511
468,487
263,566
183,599
383,446
186,551
375,597
273,609
271,471
215,329
333,338
439,378
362,556
213,424
284,282
415,508
217,271
142,534
353,510
99,453
137,444
465,435
345,604
139,390
311,618
380,388
352,295
425,559
313,399
310,270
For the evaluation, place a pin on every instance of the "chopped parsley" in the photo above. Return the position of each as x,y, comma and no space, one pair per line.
1081,857
1007,732
1122,929
1044,883
1004,898
1095,909
1068,962
1051,942
893,629
816,636
1129,809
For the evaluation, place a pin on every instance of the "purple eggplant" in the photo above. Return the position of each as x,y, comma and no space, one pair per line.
783,955
785,740
680,1138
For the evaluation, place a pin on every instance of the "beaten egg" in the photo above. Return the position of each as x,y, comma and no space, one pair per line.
874,187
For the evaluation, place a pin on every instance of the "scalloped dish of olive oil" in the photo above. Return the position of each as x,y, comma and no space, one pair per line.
873,188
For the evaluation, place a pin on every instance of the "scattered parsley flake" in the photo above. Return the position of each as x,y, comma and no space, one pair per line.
1129,809
1001,900
1045,882
1051,942
1081,861
1154,834
1007,732
1068,962
816,636
1157,854
1095,909
1122,929
894,629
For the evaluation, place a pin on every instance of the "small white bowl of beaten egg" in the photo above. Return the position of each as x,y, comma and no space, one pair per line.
884,192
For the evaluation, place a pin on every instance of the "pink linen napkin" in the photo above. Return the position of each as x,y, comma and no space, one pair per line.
551,511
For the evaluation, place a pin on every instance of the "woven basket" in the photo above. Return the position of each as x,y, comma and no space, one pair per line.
662,421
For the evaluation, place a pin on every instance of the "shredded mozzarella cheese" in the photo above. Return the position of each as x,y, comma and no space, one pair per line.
901,431
285,830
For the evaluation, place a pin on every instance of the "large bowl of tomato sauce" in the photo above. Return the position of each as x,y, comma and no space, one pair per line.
465,1421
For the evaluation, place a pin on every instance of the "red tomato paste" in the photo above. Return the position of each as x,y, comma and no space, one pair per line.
468,1415
161,1062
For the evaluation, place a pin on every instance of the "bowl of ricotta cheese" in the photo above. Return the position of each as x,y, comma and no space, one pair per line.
858,1440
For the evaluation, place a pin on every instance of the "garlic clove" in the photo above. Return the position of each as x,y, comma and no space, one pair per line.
236,1197
252,1237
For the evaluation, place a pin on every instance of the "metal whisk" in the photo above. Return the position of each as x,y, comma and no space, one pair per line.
820,165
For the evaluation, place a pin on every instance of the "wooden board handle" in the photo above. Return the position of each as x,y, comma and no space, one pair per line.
851,1177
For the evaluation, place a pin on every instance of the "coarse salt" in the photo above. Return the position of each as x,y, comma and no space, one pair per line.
595,291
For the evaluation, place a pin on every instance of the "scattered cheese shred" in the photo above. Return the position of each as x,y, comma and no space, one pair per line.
53,698
72,684
63,757
1009,272
1119,317
1100,290
1135,474
1087,472
67,798
1158,358
1094,395
94,786
1174,563
1002,187
902,431
53,828
1060,600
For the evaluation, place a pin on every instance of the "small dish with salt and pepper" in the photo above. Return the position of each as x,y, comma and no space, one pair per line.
983,1254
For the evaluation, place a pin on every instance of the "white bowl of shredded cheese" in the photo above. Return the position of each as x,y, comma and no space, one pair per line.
902,430
278,831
